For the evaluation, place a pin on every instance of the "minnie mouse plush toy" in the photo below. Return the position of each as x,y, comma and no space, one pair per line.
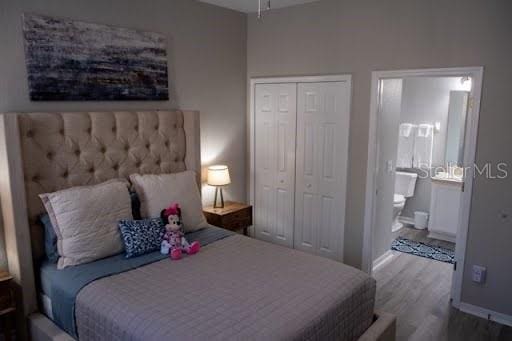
174,242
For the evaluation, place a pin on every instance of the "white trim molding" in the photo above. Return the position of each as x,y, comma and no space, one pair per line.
442,236
406,220
382,260
486,313
300,79
476,74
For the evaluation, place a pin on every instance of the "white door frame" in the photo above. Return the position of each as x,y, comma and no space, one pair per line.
274,80
476,74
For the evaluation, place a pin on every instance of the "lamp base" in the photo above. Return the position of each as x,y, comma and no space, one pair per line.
217,190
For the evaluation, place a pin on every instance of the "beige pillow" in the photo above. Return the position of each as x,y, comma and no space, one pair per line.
157,192
85,220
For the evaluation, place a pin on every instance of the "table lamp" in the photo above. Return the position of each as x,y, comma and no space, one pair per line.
218,176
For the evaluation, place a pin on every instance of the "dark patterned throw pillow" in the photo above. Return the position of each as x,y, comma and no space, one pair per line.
141,236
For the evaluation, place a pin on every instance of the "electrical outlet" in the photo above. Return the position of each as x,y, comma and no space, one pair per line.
479,274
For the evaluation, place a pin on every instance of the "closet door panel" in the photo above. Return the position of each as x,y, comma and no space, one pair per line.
264,157
322,133
334,159
275,124
263,214
284,221
305,234
326,227
306,201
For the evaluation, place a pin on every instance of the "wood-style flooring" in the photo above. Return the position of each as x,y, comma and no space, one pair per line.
417,291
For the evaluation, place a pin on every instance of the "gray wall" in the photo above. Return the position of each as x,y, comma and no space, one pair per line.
206,48
357,37
426,100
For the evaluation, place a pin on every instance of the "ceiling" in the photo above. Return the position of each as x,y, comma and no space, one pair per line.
251,6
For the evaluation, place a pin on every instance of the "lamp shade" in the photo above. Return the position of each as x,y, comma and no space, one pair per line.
218,175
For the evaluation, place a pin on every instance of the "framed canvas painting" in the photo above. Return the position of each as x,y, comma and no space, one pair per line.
71,60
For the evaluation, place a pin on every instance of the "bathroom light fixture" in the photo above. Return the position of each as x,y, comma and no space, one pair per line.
466,83
260,10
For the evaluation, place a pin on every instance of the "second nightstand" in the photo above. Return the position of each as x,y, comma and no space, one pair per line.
7,305
233,216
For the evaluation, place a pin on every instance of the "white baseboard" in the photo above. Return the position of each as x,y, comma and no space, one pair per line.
486,313
380,261
441,236
406,220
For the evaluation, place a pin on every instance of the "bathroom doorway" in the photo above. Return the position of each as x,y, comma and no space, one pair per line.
423,128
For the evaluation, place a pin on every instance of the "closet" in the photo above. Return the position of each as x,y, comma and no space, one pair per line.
299,165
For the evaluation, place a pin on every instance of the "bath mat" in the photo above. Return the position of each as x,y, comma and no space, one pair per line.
423,250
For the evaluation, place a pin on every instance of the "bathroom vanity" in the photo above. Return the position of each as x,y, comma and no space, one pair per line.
446,189
445,207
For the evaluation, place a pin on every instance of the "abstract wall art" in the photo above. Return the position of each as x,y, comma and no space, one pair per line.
76,61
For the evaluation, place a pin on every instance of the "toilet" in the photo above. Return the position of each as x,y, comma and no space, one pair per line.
404,188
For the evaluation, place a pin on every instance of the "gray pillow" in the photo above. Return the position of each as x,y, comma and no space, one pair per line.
50,238
158,191
85,220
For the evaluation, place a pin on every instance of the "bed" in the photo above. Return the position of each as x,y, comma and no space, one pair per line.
235,288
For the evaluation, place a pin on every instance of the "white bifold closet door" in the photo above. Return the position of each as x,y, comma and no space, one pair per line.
323,117
300,165
274,182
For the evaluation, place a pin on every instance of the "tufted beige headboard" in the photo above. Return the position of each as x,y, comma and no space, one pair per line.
61,150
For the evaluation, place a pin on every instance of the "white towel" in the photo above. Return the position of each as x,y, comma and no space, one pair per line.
423,146
405,145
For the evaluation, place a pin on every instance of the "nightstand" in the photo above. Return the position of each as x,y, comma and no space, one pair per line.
233,216
7,304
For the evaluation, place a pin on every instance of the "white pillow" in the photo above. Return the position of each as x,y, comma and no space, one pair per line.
157,192
85,220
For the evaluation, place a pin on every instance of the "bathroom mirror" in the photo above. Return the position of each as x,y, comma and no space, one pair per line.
456,127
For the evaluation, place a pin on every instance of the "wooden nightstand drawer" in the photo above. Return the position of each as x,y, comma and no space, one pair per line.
6,297
233,216
6,300
7,305
236,223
